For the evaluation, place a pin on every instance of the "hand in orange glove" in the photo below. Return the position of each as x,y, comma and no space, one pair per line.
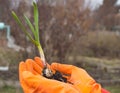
79,78
33,82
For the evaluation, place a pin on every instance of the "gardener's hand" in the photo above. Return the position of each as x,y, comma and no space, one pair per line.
33,82
79,78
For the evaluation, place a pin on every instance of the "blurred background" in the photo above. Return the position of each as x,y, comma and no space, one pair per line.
85,33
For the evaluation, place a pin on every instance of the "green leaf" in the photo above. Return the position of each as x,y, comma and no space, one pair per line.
36,20
22,27
30,25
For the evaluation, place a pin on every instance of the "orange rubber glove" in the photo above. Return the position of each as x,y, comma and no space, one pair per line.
32,82
79,78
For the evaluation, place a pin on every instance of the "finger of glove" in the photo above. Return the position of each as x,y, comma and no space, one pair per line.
22,67
23,73
32,66
40,62
63,68
36,67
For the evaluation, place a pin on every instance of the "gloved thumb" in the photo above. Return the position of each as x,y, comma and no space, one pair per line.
63,68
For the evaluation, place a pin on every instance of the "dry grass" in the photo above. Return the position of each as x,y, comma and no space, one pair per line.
100,44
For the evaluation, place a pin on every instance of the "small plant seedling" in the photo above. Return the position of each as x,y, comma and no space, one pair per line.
34,28
35,40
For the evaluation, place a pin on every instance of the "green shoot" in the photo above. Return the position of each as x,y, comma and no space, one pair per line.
34,29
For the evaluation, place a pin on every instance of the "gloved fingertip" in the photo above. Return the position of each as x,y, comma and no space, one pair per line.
21,64
37,58
29,60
